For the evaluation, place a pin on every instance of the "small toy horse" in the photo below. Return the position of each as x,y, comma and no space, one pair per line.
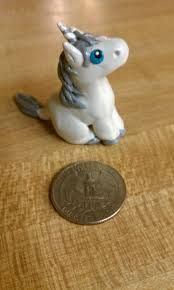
84,111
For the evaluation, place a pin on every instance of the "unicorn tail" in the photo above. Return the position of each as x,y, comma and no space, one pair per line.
28,105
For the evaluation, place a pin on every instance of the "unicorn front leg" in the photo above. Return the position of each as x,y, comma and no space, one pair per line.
106,130
117,120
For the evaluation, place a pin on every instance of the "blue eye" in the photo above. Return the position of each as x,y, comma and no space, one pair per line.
96,56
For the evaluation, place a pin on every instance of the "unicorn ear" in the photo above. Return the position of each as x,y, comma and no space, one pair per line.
73,55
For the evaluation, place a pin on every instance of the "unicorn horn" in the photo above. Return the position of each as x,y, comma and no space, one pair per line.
67,32
62,27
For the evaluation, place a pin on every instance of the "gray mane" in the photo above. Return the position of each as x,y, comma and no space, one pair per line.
69,94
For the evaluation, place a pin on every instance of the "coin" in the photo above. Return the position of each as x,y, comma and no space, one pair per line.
88,192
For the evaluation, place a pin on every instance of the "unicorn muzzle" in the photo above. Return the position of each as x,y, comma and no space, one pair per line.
121,49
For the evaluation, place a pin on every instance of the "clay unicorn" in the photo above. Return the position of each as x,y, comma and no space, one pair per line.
84,110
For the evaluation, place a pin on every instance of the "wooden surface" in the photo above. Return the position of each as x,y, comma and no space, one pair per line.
39,249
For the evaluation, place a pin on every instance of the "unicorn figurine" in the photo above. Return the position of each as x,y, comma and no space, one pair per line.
84,111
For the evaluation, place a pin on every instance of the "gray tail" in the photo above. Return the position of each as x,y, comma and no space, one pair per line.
28,105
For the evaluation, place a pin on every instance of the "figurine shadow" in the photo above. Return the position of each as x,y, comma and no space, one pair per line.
49,129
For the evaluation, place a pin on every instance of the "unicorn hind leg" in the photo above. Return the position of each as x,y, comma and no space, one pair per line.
74,131
68,125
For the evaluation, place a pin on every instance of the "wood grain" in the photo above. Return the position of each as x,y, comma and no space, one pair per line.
39,249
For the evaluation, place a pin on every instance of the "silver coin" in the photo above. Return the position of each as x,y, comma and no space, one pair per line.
88,192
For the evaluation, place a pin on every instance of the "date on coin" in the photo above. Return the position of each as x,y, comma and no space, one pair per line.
87,192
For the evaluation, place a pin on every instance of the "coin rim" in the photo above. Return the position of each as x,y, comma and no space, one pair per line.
58,210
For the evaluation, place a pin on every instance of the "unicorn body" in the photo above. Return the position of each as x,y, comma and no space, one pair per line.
84,111
72,124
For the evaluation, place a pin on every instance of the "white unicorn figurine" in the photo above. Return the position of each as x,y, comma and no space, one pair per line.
84,111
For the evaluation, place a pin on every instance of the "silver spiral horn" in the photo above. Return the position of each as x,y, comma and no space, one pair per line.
67,32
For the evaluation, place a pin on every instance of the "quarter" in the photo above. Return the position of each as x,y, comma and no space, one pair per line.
88,192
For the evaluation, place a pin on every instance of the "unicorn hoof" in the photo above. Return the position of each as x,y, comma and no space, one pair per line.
122,132
95,140
111,142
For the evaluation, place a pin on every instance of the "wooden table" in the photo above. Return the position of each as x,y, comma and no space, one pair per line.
38,248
